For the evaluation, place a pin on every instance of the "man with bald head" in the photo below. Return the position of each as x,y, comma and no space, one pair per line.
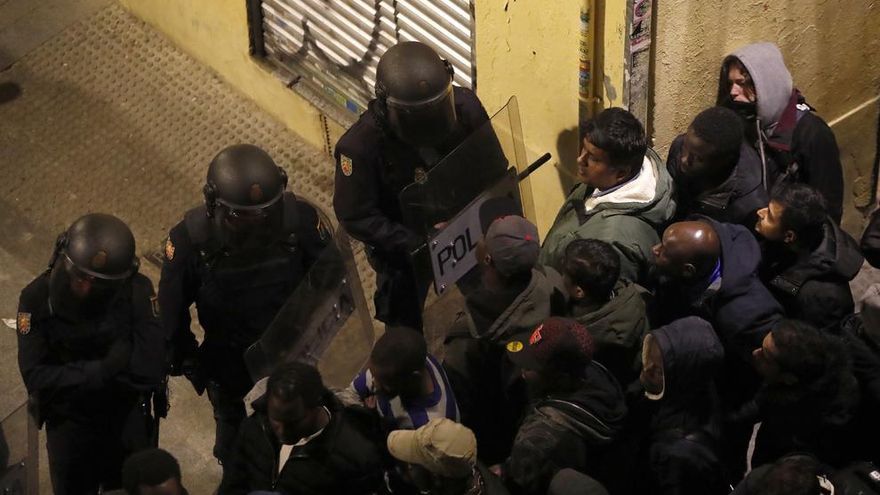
709,269
688,250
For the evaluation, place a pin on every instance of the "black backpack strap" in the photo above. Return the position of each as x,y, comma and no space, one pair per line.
291,221
198,226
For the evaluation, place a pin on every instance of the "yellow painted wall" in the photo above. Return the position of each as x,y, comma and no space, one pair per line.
831,47
215,33
529,48
523,48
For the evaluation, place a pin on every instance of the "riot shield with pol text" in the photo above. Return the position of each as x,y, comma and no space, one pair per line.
452,206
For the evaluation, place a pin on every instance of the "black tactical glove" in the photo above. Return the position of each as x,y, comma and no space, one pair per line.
191,368
116,359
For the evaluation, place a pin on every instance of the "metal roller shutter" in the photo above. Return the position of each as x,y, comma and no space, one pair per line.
334,45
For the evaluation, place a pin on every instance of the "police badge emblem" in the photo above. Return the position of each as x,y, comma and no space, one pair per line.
169,250
23,323
420,176
346,165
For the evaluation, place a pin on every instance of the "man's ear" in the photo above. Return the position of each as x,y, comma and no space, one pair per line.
622,173
789,237
689,270
487,260
579,294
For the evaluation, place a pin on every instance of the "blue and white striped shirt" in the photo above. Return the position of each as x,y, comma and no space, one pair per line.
414,414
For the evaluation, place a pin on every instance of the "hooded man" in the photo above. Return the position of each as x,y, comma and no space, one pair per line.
679,411
577,411
808,260
709,269
795,145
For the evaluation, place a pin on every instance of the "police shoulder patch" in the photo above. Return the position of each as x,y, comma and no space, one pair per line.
169,250
23,323
420,176
346,165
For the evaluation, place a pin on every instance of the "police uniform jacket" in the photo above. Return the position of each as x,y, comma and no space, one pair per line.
373,167
235,302
62,363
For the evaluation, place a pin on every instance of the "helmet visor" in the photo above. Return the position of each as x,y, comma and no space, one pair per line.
81,293
425,123
249,228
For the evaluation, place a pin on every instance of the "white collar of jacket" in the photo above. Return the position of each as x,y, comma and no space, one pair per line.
641,189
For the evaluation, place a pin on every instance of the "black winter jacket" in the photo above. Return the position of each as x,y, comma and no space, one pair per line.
870,243
64,365
679,433
815,287
806,140
344,459
487,386
742,311
575,431
736,200
865,354
373,167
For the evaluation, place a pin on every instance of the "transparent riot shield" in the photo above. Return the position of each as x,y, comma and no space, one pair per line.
451,205
326,310
19,454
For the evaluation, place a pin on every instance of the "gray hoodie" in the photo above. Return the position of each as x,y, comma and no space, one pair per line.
773,84
794,143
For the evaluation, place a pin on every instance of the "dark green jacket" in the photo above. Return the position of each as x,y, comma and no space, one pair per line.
631,228
618,328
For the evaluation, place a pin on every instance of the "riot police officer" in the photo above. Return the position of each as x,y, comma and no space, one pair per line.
238,257
91,350
417,117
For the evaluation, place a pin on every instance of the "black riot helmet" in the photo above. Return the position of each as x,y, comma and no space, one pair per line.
243,195
414,94
93,260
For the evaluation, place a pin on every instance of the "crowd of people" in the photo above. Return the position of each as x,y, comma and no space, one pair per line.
685,327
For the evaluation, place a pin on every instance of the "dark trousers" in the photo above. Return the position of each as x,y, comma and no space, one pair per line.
229,412
227,381
86,452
